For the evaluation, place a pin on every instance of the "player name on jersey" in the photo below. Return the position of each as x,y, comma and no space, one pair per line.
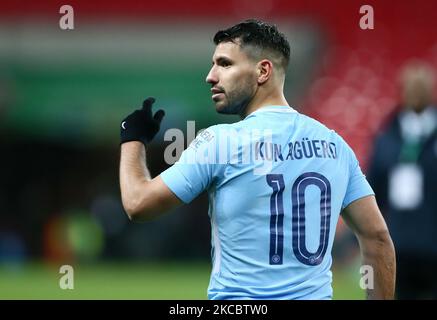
245,147
304,148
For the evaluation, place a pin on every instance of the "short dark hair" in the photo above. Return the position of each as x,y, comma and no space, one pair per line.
259,34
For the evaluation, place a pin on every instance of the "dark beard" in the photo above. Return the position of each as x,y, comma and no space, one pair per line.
236,107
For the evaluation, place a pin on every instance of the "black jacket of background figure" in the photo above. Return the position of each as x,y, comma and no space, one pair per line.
414,232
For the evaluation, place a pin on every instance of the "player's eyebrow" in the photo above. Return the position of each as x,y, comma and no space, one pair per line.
222,59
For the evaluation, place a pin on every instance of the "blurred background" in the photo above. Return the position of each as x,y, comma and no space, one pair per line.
64,92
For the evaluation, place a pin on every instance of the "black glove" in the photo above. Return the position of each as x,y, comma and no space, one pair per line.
141,125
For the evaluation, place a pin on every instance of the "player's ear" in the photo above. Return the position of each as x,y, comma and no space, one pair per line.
264,70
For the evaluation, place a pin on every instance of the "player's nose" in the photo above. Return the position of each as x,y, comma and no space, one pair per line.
212,78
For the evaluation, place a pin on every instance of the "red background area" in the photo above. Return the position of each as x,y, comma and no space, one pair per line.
401,17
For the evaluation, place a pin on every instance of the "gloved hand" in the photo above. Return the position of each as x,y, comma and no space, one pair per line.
141,125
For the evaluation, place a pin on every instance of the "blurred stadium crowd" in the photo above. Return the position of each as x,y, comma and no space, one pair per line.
63,93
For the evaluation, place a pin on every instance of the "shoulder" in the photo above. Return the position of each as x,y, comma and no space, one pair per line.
210,137
323,129
310,122
341,147
203,138
391,130
222,130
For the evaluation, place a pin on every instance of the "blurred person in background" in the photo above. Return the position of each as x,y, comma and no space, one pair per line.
403,174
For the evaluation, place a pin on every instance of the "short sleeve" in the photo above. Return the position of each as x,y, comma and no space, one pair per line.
196,169
358,186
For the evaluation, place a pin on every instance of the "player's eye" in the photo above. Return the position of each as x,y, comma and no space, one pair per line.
222,62
225,64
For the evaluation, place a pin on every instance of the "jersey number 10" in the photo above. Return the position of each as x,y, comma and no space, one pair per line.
276,182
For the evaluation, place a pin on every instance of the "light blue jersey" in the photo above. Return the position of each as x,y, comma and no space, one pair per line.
277,182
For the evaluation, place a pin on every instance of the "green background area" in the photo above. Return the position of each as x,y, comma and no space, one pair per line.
87,102
173,280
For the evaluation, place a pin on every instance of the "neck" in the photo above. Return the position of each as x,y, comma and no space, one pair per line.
259,101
